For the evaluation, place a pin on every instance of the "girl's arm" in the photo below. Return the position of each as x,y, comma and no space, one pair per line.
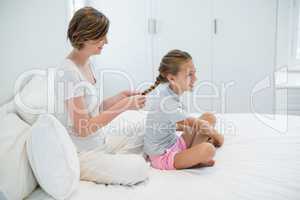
203,127
85,125
107,103
194,123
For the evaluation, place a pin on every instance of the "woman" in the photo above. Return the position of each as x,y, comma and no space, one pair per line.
84,116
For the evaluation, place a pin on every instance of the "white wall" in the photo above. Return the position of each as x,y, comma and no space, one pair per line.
32,35
283,33
128,52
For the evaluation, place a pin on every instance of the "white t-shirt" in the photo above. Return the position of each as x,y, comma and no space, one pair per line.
164,109
70,83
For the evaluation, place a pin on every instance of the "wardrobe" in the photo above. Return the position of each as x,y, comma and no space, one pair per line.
232,42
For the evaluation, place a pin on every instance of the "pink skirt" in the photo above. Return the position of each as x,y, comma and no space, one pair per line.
166,160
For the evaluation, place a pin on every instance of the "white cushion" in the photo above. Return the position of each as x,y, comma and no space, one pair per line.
125,134
32,100
53,157
16,177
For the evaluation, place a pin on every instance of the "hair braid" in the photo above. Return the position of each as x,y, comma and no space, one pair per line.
158,81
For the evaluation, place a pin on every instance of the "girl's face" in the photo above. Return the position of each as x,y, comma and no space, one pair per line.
94,47
185,79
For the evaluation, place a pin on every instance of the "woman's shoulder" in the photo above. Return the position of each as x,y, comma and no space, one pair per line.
67,65
68,71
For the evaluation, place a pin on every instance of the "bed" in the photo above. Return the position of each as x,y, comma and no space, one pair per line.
259,160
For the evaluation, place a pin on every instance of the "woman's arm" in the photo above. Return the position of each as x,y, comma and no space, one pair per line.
110,101
85,125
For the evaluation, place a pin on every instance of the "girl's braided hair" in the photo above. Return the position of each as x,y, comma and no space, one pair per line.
170,64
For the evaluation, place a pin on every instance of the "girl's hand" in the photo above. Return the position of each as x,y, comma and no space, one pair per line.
134,102
203,126
128,93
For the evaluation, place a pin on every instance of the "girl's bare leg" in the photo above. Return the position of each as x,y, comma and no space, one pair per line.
200,154
217,139
200,150
192,137
209,117
214,138
200,138
188,135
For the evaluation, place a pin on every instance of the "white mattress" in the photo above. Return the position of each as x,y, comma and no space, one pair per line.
256,162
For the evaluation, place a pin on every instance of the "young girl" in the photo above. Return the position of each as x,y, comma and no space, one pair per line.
196,146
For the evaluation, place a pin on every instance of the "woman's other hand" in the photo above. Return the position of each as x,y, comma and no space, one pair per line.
134,102
128,93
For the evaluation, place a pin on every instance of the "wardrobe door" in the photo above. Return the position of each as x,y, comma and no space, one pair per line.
186,25
126,60
244,54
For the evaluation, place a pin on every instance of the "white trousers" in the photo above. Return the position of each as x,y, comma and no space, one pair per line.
112,164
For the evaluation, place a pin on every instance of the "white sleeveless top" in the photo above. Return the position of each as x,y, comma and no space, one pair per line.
71,83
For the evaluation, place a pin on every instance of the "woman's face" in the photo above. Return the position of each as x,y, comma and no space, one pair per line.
94,47
185,79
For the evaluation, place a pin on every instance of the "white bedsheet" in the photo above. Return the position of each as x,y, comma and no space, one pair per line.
256,162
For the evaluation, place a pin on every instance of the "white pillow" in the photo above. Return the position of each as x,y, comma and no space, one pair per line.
16,177
125,134
53,157
32,100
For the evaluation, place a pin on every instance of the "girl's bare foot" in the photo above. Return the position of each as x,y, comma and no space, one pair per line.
208,164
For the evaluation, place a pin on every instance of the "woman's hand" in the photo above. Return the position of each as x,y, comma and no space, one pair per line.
128,93
110,101
134,102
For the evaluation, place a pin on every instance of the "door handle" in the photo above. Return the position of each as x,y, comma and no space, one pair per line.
152,26
215,26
